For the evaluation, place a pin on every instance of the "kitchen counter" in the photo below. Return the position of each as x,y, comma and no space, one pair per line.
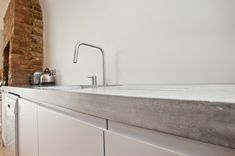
200,112
207,93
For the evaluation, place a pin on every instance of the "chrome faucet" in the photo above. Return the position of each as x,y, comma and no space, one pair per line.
75,58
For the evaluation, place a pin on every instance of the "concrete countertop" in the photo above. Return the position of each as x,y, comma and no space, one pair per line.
208,93
200,112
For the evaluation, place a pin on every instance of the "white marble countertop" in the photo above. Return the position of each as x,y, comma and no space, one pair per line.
208,93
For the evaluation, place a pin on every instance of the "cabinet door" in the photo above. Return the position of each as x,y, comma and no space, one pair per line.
124,140
65,135
4,95
119,145
27,130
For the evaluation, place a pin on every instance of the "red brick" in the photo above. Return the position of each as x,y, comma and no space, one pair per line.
23,32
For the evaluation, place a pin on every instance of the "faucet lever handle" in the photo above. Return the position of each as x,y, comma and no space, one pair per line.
94,80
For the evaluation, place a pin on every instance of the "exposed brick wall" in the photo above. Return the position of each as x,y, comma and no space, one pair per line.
23,32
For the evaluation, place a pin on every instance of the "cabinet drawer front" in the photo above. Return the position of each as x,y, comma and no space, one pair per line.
63,135
27,123
118,145
130,140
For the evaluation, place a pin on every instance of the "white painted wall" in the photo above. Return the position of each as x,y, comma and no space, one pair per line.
3,8
146,41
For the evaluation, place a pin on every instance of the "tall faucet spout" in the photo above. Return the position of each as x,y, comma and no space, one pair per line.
76,52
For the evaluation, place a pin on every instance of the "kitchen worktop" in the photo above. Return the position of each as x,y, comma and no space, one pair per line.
209,93
200,112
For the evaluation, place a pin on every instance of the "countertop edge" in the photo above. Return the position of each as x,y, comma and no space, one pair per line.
195,123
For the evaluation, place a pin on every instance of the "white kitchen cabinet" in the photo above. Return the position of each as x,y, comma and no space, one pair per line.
27,130
9,124
123,140
117,145
75,134
4,94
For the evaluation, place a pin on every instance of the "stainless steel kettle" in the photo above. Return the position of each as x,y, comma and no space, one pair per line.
47,77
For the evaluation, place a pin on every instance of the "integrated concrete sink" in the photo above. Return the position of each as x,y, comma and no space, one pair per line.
73,87
65,87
